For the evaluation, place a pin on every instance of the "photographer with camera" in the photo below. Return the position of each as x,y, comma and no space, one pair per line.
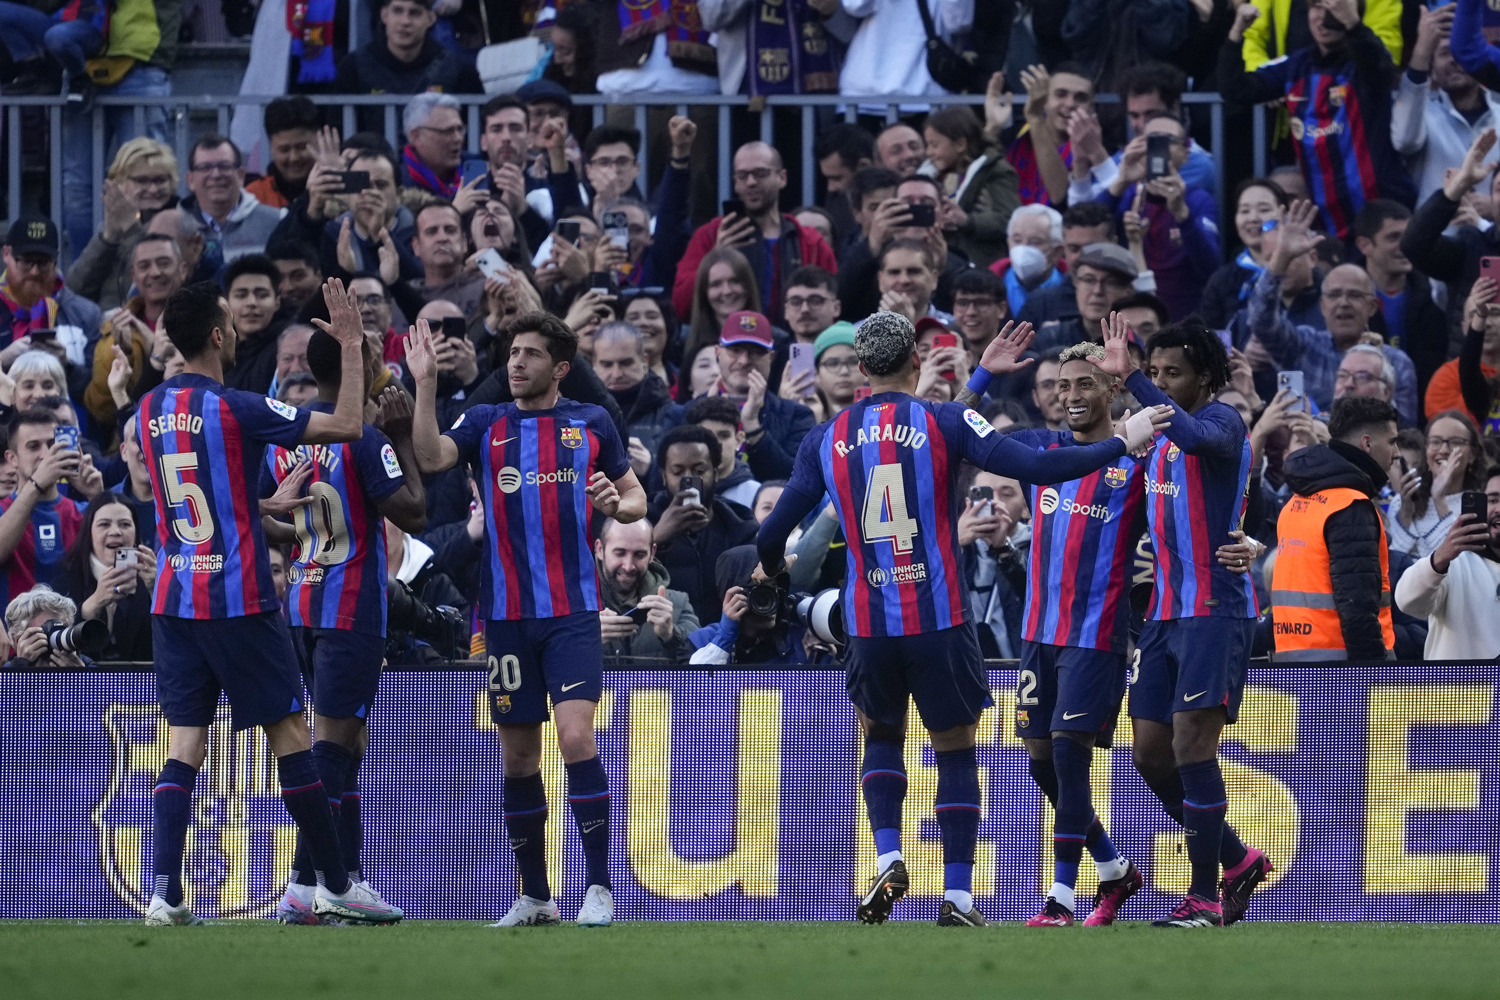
40,625
427,618
641,616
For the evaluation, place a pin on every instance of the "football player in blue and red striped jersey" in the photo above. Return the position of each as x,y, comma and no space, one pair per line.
544,466
216,623
892,464
336,589
1195,646
1075,631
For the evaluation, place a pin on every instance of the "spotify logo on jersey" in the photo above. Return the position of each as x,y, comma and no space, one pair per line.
508,479
1048,500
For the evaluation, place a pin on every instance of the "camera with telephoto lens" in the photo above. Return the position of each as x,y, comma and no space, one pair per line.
444,628
819,613
89,636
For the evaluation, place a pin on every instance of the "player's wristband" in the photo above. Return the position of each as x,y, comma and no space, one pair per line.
980,381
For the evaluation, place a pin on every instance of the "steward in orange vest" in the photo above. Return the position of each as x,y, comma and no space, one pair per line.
1331,590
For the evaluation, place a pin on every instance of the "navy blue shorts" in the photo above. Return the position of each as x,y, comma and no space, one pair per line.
342,669
531,658
1067,689
248,658
1185,664
942,671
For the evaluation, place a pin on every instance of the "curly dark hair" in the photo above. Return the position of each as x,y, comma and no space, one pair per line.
1200,346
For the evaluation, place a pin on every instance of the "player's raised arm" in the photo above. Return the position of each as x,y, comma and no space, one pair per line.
994,452
1001,357
347,418
803,492
434,452
407,507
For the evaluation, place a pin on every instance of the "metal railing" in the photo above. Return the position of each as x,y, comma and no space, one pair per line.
183,110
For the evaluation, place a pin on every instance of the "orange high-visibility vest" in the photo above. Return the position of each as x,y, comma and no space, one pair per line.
1306,621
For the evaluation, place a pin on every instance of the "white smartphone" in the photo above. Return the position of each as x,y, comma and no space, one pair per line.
1292,382
492,265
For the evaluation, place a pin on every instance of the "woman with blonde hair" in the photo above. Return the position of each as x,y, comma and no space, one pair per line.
140,182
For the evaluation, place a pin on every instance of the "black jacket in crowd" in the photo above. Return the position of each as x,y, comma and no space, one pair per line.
691,559
1453,260
372,69
130,634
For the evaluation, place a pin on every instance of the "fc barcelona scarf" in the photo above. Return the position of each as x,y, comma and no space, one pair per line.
310,23
789,51
425,178
687,42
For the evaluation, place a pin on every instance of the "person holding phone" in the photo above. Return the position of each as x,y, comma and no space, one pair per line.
110,573
1455,587
642,615
38,523
1177,224
774,242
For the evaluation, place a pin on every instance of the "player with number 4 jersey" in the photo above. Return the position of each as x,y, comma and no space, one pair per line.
216,624
336,593
892,465
545,466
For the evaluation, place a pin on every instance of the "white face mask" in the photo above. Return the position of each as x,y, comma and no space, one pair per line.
1029,264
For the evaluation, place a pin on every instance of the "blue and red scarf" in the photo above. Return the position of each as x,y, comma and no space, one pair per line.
310,23
423,177
687,42
790,52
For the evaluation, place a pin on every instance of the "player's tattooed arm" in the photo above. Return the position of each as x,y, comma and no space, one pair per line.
433,451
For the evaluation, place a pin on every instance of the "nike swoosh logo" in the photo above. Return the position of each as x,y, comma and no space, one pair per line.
1075,715
591,827
497,444
1186,697
568,687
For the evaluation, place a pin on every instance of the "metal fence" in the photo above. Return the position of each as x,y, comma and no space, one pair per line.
189,116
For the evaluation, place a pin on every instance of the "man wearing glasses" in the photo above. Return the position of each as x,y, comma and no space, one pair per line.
1347,304
33,298
230,217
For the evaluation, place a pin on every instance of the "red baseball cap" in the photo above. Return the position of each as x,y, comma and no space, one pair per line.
932,323
746,327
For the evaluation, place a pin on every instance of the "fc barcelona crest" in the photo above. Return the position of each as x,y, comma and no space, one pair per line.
1115,476
572,436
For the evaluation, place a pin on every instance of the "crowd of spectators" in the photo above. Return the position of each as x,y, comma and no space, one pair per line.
1367,260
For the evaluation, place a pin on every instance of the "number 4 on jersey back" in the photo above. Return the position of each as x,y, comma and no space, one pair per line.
885,517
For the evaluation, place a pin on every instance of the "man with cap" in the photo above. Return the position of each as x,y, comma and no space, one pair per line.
403,59
33,298
773,426
552,147
1103,273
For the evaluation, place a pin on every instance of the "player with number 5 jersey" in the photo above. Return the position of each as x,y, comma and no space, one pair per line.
891,463
545,465
216,625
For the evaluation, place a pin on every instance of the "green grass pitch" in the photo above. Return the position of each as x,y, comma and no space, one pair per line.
789,961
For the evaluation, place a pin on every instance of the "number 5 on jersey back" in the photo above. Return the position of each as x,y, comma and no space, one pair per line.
198,526
885,517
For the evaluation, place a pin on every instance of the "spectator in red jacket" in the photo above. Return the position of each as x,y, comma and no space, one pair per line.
773,242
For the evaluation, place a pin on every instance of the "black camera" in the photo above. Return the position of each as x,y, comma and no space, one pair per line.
819,612
88,637
444,628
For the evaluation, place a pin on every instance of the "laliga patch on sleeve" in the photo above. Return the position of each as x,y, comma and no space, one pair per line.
388,459
981,426
290,412
459,422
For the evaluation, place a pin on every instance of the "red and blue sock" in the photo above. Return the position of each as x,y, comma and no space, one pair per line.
1075,814
333,762
883,781
351,827
1168,789
525,801
957,809
306,800
1106,856
1204,804
171,809
588,798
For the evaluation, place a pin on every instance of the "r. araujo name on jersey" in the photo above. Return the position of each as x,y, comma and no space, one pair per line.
533,467
891,472
1193,502
338,573
1082,532
203,444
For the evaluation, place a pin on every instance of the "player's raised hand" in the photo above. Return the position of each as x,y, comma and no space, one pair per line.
1003,355
343,323
603,494
421,356
395,413
288,496
1116,348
